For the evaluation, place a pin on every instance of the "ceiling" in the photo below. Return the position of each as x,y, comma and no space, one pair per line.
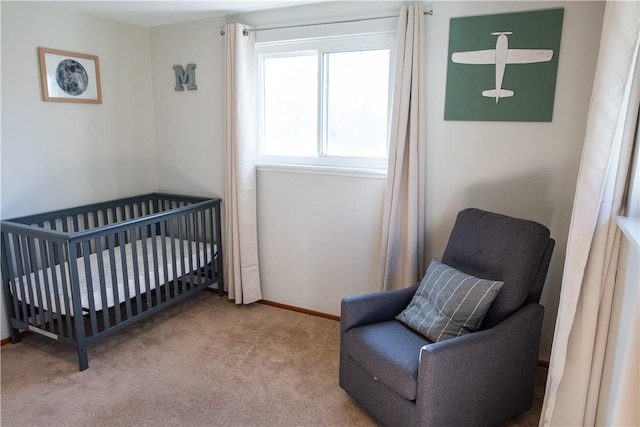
152,13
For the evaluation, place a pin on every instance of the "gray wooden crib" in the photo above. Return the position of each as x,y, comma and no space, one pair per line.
77,275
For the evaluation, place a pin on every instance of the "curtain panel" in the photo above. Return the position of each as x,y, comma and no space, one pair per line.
240,232
402,244
575,374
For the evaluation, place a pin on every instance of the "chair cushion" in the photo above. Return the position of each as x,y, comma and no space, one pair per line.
448,303
390,352
487,244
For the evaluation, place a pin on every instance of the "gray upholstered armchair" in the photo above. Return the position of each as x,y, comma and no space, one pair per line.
481,378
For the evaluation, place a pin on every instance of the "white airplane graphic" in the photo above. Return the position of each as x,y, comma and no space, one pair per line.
501,56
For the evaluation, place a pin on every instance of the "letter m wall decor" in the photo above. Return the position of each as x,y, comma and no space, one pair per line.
187,77
503,67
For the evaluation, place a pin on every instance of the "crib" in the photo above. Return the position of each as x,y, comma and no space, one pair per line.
78,275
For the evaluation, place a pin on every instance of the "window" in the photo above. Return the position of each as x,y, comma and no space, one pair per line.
325,101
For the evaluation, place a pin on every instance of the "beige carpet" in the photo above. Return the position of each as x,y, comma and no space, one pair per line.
202,362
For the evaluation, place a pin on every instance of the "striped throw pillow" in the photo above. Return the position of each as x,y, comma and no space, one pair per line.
448,303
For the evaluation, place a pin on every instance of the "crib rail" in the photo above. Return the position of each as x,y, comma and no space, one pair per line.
77,275
95,215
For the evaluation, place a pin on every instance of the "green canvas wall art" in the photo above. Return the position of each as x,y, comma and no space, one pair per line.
503,67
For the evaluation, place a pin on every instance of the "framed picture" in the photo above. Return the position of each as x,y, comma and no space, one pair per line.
69,77
503,67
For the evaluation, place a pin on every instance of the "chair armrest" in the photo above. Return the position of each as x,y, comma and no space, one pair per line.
458,377
376,307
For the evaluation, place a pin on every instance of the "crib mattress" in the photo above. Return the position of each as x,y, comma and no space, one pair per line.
145,280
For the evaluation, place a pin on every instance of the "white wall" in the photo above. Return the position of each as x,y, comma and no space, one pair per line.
189,124
57,155
319,237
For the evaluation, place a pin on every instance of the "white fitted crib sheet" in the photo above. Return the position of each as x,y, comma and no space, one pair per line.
146,280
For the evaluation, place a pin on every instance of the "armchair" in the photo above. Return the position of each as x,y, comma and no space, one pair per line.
482,378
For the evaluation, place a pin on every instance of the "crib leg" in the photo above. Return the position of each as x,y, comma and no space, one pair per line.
83,357
15,336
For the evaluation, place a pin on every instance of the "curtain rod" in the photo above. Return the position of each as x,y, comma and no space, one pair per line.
246,31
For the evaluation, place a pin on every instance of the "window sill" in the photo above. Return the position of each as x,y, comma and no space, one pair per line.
323,170
631,229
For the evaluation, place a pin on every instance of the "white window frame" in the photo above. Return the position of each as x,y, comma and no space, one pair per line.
381,38
630,224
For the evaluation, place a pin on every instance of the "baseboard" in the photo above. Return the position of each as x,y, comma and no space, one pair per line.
300,310
7,340
287,307
214,290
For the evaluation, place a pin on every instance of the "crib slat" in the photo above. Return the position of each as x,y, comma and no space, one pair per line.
21,264
173,257
203,245
48,313
145,260
156,266
114,220
37,304
55,308
165,269
125,275
128,211
125,217
181,233
85,218
65,284
136,272
189,249
114,278
205,248
27,243
86,250
102,282
196,240
54,226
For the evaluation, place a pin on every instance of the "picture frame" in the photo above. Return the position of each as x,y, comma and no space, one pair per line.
69,76
503,67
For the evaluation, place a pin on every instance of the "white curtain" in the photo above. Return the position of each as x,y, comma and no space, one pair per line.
402,244
589,278
241,267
